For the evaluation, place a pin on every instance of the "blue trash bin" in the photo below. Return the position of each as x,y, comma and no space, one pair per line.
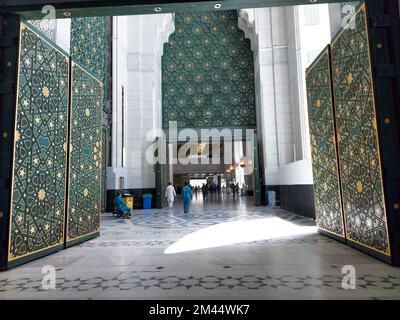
147,200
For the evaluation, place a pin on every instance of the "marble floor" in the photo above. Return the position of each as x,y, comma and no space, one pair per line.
221,250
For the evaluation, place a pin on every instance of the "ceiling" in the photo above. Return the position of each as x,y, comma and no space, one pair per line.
31,9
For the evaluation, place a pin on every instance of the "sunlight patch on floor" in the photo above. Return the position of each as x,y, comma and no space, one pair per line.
235,232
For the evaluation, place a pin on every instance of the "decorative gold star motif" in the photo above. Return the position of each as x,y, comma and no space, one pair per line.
359,186
350,78
41,194
85,192
22,173
46,91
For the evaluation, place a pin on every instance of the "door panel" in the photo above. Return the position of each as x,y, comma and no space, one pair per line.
85,175
40,157
327,193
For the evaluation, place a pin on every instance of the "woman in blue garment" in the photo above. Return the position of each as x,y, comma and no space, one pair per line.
123,210
186,197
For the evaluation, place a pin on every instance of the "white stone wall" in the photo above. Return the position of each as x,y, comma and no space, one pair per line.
138,44
285,40
308,34
267,29
119,76
63,34
58,30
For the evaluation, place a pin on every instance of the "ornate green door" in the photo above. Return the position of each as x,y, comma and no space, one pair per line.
36,218
56,156
85,167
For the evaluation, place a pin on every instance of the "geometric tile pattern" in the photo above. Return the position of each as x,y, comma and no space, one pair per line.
90,46
167,242
328,208
136,280
159,220
360,166
84,195
37,215
128,261
208,73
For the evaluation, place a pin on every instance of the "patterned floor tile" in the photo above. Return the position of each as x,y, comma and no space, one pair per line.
128,261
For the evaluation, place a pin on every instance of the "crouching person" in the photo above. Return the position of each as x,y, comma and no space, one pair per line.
123,210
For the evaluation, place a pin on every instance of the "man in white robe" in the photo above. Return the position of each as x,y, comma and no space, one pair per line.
170,194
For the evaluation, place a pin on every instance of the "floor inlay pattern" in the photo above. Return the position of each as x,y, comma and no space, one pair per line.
130,260
209,282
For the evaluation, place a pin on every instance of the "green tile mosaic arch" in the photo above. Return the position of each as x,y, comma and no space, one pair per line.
360,165
84,192
208,73
328,202
41,133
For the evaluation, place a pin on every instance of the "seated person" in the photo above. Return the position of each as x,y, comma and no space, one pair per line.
123,210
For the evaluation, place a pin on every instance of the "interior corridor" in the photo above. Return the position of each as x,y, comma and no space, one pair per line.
220,250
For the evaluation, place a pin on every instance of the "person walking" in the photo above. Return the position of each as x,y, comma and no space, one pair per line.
170,194
186,197
233,187
204,190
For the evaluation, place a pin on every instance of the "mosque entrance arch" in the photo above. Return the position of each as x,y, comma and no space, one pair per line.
208,84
